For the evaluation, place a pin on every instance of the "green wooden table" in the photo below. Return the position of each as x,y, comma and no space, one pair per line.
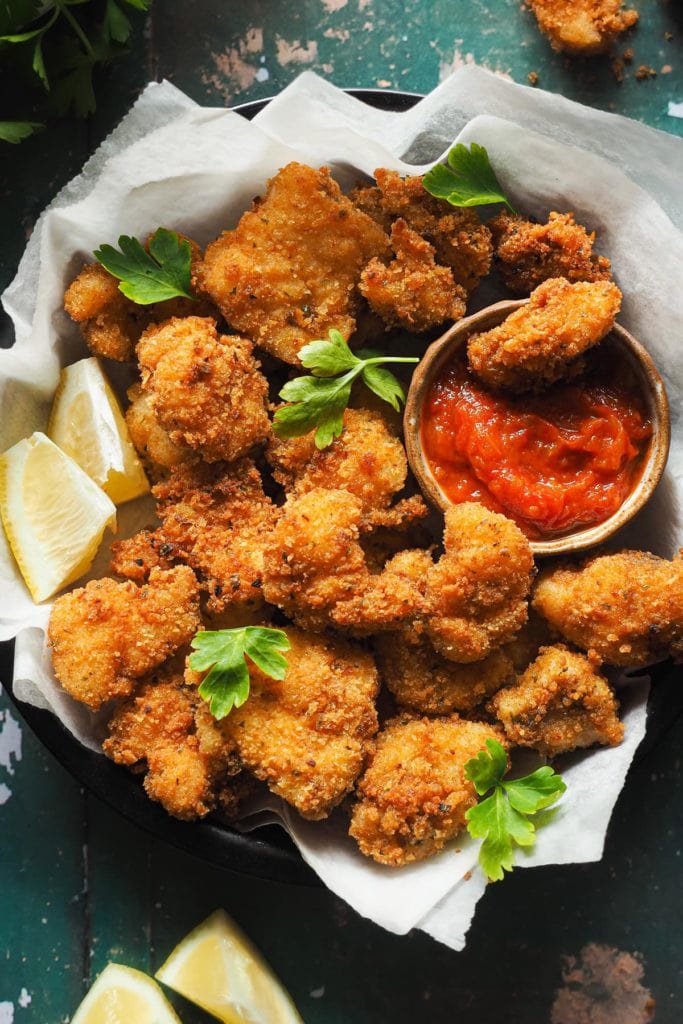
78,885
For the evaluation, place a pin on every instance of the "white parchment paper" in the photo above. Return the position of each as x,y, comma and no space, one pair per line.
174,163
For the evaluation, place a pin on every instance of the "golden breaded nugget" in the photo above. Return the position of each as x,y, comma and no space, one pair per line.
582,27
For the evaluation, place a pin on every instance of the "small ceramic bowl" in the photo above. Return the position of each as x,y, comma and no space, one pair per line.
654,393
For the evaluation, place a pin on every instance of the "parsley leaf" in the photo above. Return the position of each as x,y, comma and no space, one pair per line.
501,820
469,179
15,131
154,276
318,402
222,652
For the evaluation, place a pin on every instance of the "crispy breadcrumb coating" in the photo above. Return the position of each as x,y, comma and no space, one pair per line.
106,635
461,241
136,556
626,608
216,519
412,291
527,254
413,796
308,735
315,570
367,460
206,389
582,27
152,442
560,703
477,591
524,647
166,731
424,681
542,341
110,323
288,272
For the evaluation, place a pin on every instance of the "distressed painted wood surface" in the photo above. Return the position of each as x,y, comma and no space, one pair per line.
78,885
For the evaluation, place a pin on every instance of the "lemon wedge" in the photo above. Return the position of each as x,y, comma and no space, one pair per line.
216,967
87,423
122,995
54,515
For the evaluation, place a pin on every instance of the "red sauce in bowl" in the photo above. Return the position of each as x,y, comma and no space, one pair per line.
552,462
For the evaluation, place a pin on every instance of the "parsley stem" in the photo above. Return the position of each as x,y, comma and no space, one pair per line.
63,9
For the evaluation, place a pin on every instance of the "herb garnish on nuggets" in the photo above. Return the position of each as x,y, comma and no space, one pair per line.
289,270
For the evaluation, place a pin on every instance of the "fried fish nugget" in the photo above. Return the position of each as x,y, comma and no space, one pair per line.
413,796
136,556
206,389
560,703
315,569
152,443
110,323
216,519
307,736
106,635
166,731
527,254
460,239
423,681
288,272
582,27
412,291
627,608
542,342
367,460
477,592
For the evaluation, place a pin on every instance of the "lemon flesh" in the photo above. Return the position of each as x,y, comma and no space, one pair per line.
122,995
216,967
87,423
54,515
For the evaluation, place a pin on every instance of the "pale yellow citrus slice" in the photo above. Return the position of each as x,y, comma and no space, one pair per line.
87,423
54,515
216,967
122,995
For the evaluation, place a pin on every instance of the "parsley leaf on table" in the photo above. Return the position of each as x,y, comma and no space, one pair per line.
503,818
222,652
318,402
15,131
154,276
469,179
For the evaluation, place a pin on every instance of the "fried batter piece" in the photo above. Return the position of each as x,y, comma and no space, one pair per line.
152,443
542,342
136,556
166,731
216,519
560,703
288,272
412,291
110,323
206,389
524,647
527,254
626,608
316,572
414,795
106,635
308,735
367,460
582,27
424,681
477,591
461,241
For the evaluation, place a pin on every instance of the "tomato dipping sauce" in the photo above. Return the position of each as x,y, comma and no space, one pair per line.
554,461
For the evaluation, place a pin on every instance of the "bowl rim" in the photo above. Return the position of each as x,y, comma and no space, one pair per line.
653,390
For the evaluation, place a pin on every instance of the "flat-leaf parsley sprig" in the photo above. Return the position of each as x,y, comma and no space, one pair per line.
503,818
222,654
145,277
319,401
468,180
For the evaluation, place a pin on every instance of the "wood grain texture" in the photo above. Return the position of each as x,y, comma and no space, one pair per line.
78,885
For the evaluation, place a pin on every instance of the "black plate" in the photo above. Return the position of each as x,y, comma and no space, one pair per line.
266,853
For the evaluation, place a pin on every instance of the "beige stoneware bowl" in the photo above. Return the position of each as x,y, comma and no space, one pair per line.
625,346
